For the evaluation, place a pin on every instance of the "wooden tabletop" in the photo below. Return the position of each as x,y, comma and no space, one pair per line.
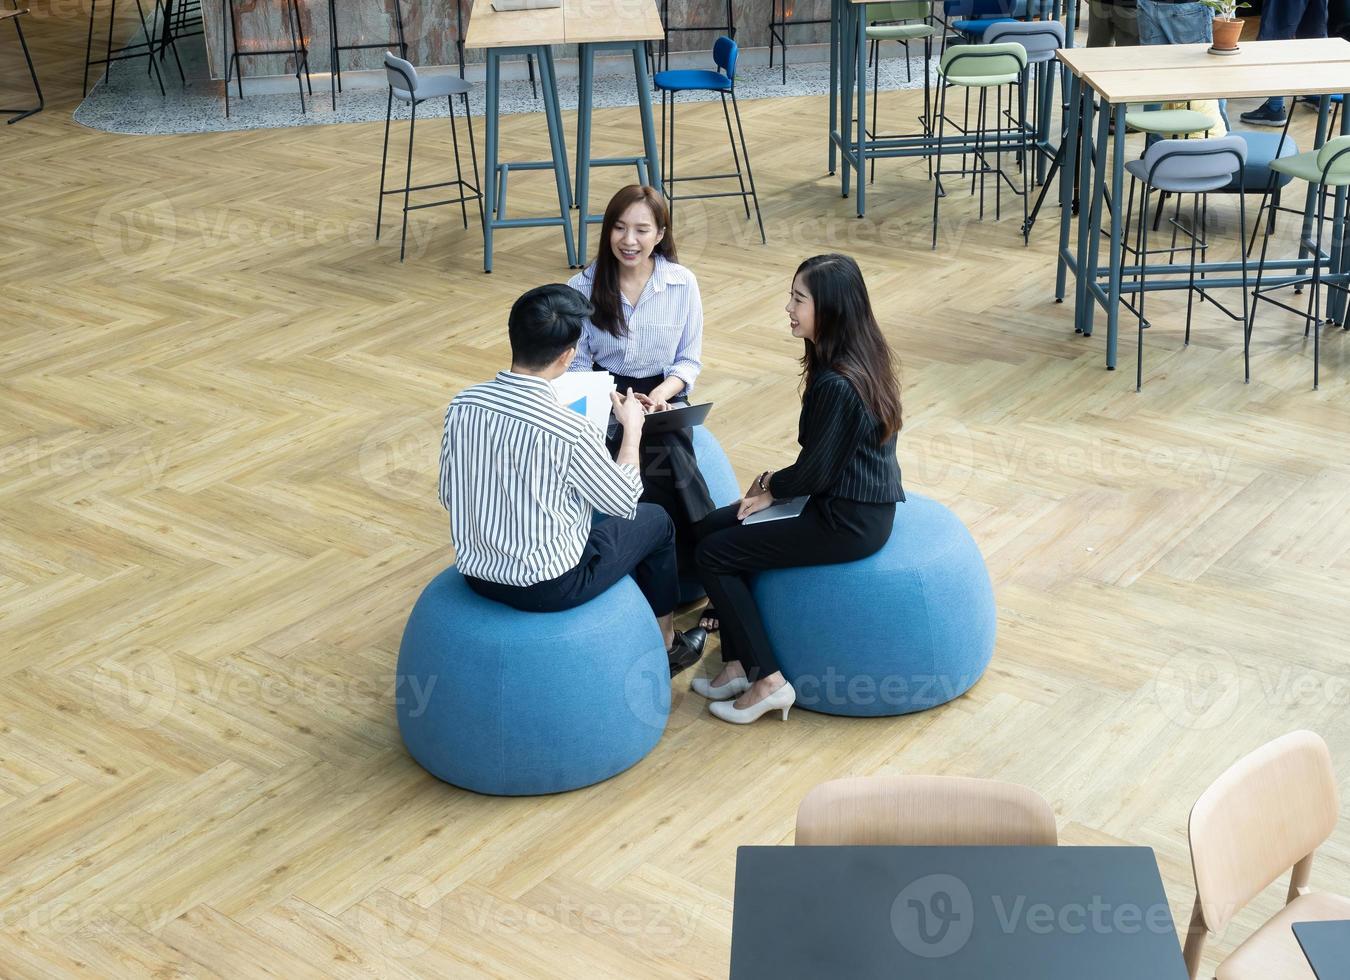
575,22
1155,57
1235,82
592,21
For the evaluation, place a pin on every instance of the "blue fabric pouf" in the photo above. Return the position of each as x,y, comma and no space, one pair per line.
514,703
906,629
722,487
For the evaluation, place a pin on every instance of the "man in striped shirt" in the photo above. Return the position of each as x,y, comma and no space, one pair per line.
522,476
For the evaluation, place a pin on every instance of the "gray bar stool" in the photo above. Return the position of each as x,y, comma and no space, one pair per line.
407,86
1194,167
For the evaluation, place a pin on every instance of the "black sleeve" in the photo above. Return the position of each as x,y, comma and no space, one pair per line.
835,423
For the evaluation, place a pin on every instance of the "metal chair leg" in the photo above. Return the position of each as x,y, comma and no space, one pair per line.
384,158
407,182
749,172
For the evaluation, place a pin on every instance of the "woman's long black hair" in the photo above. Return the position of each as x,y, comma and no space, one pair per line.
608,315
848,338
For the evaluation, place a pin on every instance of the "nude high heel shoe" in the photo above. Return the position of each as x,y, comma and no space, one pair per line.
780,700
733,688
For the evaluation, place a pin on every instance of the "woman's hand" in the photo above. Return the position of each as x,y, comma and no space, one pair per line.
755,490
651,405
752,505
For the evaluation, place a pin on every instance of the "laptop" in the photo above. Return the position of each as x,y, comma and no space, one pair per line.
684,417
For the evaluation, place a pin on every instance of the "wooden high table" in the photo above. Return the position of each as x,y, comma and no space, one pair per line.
591,25
1172,73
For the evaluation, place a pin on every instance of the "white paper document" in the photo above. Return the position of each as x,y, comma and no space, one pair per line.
780,510
587,393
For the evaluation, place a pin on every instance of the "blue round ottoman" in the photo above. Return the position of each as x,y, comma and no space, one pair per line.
722,487
516,703
905,629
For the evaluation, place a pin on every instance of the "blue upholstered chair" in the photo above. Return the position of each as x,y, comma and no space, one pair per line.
906,629
517,704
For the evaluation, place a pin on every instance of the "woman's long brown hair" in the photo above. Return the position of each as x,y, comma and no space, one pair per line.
608,315
848,338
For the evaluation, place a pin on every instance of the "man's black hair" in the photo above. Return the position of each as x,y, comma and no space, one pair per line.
545,322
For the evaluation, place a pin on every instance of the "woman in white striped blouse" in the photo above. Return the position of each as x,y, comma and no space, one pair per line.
647,331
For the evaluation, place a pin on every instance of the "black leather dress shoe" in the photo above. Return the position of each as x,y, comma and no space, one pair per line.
687,649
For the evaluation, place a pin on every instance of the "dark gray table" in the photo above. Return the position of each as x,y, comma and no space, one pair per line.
955,913
1327,946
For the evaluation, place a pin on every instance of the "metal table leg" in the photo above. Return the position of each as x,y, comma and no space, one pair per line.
1088,197
491,123
835,6
860,74
1067,171
549,83
1117,226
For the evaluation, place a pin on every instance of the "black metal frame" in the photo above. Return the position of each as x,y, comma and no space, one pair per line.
1197,236
1312,247
925,121
778,27
32,72
668,177
127,52
408,186
335,47
1022,143
729,29
298,48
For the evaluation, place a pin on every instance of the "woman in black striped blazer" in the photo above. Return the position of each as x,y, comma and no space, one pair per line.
847,432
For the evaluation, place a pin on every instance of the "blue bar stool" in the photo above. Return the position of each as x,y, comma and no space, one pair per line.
729,27
1196,167
407,86
723,82
1324,170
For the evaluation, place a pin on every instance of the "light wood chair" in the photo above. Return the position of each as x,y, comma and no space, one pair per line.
931,811
1269,812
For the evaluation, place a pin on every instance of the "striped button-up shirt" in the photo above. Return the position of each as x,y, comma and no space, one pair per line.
665,328
520,475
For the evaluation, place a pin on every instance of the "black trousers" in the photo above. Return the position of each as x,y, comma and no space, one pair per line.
829,531
643,547
670,475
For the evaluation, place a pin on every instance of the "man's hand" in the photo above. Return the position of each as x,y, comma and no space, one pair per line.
628,410
752,505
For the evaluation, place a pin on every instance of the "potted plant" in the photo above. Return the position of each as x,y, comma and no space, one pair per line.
1227,27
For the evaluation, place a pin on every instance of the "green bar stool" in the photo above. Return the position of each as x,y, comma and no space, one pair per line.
1325,169
903,21
983,67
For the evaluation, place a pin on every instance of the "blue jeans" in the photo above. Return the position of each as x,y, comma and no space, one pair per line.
1179,23
1282,20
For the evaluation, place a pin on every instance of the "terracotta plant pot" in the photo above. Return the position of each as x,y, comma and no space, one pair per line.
1226,33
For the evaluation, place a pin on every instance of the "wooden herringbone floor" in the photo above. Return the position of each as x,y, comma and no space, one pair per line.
221,404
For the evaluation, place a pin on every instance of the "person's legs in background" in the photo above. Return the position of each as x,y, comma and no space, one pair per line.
1283,20
1112,22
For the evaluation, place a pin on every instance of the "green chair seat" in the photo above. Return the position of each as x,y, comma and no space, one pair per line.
901,32
983,81
1170,122
1305,166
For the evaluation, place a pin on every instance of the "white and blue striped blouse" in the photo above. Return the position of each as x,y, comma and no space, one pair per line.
520,475
665,328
